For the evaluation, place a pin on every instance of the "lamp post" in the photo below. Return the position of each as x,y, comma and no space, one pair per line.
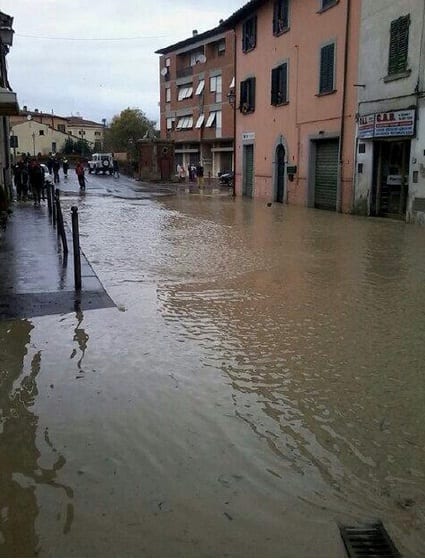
231,98
33,142
82,133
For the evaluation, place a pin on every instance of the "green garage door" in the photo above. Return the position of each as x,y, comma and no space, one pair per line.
248,171
326,174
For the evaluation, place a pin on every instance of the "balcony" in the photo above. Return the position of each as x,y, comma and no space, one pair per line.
8,103
184,72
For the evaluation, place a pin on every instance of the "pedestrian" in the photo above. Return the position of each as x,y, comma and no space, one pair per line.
20,176
79,169
116,168
50,163
36,176
182,174
65,167
190,170
56,166
200,174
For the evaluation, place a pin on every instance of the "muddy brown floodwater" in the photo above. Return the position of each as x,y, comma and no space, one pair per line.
260,381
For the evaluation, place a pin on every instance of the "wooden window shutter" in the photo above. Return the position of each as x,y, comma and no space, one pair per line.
284,84
327,68
275,86
399,45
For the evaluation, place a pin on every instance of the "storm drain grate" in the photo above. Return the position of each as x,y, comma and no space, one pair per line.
370,540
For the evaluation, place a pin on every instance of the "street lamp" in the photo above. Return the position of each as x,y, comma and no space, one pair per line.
33,142
82,133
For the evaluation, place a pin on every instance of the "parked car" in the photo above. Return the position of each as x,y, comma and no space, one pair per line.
101,163
226,177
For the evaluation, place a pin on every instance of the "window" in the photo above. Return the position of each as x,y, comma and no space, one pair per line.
221,47
167,94
249,34
61,127
41,132
327,69
279,90
247,96
399,45
185,92
197,57
200,121
167,62
216,87
280,16
97,134
325,4
185,122
214,118
170,123
200,87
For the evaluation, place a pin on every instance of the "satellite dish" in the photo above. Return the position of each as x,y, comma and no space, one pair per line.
164,71
29,117
202,58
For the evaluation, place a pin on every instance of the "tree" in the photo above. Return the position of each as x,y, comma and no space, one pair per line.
126,128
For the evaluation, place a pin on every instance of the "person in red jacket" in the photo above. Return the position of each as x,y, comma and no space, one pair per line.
79,169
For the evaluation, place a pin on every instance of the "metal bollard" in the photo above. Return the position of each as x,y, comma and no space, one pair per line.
49,199
76,243
61,226
52,197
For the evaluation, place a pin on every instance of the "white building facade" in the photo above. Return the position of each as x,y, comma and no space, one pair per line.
390,146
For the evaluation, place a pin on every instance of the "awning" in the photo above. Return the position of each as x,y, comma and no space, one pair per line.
8,103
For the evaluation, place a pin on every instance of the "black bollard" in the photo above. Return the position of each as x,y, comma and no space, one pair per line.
52,197
49,199
61,226
76,243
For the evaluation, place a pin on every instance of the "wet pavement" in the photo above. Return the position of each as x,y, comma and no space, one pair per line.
258,382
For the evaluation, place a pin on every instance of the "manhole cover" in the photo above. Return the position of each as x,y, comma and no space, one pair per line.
371,540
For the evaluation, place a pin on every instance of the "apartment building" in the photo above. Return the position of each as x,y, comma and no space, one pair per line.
296,70
390,169
195,76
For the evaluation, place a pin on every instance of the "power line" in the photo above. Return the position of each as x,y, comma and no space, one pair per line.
90,38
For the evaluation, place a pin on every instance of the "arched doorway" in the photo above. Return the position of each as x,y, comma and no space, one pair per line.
280,173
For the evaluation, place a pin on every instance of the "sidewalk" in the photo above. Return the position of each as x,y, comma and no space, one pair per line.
35,279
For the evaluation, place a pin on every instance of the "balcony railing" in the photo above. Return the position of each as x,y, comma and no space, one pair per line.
184,72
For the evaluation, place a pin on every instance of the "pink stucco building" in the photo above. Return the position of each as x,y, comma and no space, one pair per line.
296,97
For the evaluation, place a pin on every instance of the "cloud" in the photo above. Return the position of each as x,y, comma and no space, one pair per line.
68,68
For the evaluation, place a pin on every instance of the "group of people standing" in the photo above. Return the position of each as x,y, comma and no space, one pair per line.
54,163
195,172
28,176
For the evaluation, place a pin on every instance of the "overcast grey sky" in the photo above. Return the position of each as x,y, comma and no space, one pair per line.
97,57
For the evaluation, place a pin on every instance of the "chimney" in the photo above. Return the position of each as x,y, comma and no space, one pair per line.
36,110
25,108
194,32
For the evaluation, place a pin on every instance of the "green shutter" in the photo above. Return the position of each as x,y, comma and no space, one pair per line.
399,45
275,86
327,57
284,83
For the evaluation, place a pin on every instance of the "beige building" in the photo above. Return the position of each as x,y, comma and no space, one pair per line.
45,132
37,138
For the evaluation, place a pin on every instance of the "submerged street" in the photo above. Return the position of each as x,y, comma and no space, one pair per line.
258,383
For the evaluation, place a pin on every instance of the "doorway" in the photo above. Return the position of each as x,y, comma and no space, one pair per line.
280,173
248,170
390,178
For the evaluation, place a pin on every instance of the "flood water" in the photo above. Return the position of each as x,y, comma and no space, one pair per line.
260,381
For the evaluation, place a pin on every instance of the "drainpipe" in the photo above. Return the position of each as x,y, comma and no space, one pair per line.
234,115
344,96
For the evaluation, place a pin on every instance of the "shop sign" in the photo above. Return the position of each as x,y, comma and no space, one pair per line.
384,125
366,126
